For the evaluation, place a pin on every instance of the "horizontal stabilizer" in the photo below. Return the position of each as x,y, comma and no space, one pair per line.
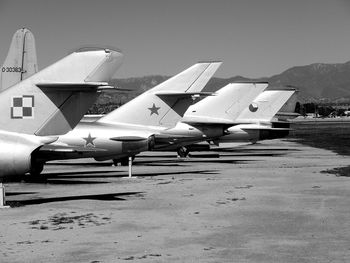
211,121
207,120
257,128
287,115
72,86
91,118
184,94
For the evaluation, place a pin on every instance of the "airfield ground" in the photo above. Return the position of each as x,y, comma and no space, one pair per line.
269,202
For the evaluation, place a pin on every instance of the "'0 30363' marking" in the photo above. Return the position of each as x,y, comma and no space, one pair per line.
11,69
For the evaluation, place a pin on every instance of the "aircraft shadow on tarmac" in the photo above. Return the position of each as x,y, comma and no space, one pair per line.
256,150
253,155
179,172
171,160
68,181
63,178
74,178
185,161
98,197
211,158
68,173
94,164
20,193
57,179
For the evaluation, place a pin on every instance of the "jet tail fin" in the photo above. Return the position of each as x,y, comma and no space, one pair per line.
289,109
265,106
165,104
54,100
225,105
21,61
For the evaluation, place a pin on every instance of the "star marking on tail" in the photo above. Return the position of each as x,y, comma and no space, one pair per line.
154,109
89,140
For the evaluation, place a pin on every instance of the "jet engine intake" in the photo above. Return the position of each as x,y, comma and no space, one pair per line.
15,154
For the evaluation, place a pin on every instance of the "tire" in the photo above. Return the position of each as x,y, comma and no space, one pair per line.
123,161
36,169
182,152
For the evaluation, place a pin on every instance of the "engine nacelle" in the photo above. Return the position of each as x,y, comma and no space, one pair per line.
136,146
15,153
239,134
195,131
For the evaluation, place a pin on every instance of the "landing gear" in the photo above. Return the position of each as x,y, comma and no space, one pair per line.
35,172
36,169
123,161
182,152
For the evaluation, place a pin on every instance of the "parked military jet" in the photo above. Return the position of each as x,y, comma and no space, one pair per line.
257,119
49,103
238,112
131,128
104,140
152,121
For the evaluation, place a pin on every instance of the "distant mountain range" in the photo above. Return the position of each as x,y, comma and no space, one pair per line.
316,83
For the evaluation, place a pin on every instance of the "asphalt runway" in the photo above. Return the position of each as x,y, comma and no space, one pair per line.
269,202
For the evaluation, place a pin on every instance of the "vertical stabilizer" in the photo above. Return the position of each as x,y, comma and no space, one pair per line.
21,60
265,106
226,104
54,100
165,104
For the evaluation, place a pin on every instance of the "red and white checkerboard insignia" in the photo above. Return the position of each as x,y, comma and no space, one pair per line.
22,107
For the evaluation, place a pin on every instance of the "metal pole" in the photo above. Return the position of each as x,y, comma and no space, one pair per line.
130,166
2,196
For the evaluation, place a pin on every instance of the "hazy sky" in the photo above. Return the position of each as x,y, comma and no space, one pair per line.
254,38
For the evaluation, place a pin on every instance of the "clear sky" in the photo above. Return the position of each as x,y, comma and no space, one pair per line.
254,38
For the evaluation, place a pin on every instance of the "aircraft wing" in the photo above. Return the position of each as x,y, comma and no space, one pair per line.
51,152
163,140
52,148
128,138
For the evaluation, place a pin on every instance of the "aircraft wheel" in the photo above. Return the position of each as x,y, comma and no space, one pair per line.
36,169
116,162
182,152
122,161
35,172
